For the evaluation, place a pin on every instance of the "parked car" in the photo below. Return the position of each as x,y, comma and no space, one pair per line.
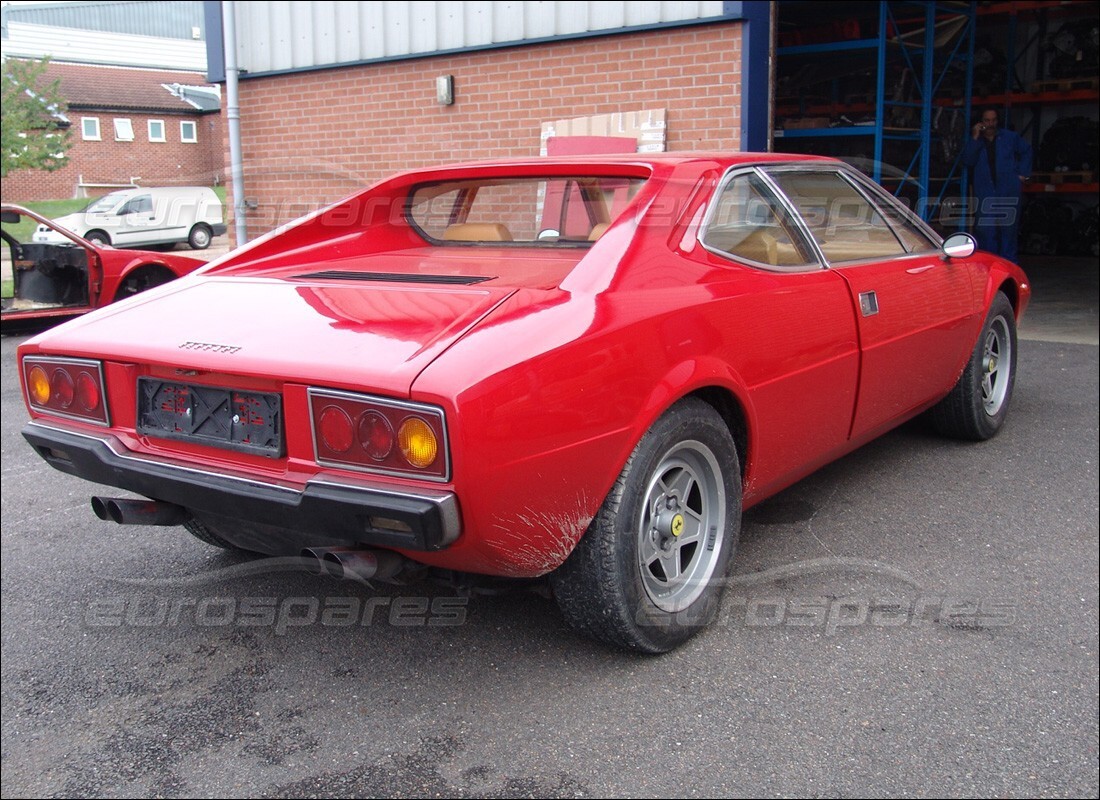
70,275
585,368
144,217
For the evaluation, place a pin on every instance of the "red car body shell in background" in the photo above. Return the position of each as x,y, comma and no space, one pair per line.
108,268
550,372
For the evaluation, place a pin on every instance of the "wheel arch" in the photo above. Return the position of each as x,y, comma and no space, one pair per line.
1012,292
716,384
730,408
141,269
1004,276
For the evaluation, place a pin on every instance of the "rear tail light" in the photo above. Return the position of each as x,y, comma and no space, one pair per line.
337,434
67,387
419,444
375,434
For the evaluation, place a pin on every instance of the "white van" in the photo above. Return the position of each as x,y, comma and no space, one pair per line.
146,216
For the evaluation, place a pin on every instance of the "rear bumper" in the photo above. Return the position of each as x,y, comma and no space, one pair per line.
220,228
326,506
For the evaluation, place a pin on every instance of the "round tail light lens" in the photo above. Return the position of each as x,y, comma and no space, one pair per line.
87,391
336,429
376,435
38,384
418,442
63,387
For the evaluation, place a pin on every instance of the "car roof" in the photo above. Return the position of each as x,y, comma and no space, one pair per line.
728,158
156,190
625,165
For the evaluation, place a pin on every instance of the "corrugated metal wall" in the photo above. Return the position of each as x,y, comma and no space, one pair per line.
96,47
169,19
275,36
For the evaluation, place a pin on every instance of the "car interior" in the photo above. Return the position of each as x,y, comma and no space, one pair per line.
43,275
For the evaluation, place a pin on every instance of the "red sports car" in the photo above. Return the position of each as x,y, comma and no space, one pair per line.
52,280
579,367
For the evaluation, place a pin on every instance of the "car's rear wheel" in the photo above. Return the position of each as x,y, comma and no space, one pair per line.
204,532
200,237
649,573
978,404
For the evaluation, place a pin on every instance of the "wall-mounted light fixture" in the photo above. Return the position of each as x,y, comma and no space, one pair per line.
445,90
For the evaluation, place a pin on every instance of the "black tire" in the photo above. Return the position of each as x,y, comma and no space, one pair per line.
200,237
204,533
98,238
606,591
978,404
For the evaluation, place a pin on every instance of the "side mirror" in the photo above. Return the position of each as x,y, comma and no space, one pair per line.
959,245
10,217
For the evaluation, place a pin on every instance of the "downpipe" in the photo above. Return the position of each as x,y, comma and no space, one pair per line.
352,563
125,511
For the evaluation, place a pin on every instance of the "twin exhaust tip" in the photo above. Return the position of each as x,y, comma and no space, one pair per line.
354,564
345,563
125,511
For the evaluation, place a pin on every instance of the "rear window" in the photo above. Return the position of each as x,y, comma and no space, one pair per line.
555,211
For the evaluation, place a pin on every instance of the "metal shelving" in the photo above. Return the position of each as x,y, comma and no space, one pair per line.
929,40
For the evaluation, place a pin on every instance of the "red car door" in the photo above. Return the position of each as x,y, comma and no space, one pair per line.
788,329
915,332
915,310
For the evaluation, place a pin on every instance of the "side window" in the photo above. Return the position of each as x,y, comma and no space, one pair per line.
911,234
139,205
747,222
845,226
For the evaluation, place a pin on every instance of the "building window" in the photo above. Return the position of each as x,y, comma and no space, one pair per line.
189,132
156,130
89,129
124,130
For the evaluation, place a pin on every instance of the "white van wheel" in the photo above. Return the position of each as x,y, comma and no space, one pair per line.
200,237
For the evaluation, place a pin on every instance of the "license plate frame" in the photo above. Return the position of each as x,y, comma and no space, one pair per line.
233,419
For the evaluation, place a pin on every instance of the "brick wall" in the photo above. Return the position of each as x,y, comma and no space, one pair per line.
313,137
108,161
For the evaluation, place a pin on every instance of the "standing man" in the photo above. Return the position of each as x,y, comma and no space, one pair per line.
1000,162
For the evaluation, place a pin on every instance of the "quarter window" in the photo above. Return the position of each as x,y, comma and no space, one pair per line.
845,226
747,222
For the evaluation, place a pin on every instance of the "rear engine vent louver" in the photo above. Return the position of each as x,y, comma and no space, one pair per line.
395,277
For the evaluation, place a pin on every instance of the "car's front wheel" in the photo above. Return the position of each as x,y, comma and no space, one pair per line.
649,573
98,238
977,406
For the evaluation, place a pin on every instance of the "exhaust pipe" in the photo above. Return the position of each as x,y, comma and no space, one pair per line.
125,511
355,564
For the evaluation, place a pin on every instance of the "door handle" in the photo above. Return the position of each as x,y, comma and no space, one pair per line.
919,270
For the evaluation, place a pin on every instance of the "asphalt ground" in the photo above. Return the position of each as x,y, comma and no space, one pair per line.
917,619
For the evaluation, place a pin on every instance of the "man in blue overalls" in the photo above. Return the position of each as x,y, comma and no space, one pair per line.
1000,162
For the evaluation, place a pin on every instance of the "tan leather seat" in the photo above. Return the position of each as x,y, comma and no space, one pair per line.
477,232
760,247
598,231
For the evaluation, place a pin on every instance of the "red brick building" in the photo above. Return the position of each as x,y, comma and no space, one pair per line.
311,138
334,96
153,127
